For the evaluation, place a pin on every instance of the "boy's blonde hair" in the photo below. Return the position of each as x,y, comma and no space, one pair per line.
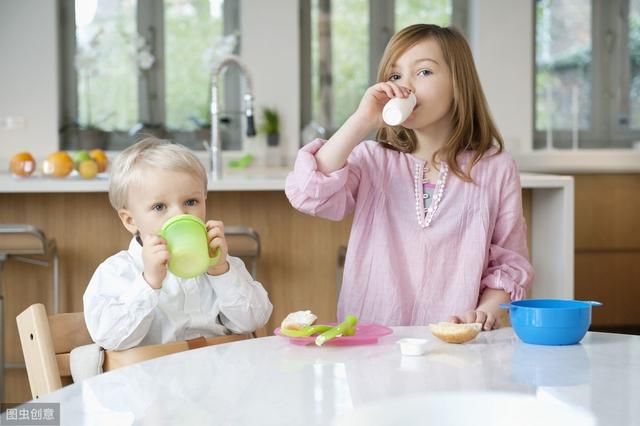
473,128
127,167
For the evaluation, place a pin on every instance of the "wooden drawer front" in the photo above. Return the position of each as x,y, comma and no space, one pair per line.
607,212
614,280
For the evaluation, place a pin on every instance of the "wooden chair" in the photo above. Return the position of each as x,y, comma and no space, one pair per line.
48,340
28,244
244,242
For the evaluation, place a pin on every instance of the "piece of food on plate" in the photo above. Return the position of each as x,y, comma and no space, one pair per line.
345,328
455,333
298,320
307,331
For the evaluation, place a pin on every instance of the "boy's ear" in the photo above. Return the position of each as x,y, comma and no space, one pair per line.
128,220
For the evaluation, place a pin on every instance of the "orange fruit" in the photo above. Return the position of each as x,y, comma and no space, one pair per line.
22,164
58,164
100,157
88,169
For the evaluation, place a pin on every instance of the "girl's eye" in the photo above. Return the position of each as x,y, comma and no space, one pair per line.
158,207
394,77
192,202
424,72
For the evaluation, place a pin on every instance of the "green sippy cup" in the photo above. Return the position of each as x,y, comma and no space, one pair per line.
187,241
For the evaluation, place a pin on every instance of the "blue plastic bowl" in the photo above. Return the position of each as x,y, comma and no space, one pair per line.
550,321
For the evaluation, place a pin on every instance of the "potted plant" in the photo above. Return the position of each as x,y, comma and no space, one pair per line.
270,126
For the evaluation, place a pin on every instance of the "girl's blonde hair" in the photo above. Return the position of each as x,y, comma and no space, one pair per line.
127,169
473,128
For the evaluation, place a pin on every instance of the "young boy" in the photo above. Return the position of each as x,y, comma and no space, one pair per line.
132,299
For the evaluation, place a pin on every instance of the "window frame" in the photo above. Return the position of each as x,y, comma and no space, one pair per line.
605,132
152,95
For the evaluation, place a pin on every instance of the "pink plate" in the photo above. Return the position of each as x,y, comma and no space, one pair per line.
366,334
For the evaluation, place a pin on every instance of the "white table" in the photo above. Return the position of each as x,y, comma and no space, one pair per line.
269,381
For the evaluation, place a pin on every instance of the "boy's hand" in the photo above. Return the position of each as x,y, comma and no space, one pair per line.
155,257
488,320
215,235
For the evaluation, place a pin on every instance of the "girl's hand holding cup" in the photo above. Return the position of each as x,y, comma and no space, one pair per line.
374,100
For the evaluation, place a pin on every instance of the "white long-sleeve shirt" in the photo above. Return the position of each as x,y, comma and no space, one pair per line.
122,311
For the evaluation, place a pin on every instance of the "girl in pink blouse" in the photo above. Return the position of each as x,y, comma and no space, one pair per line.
438,232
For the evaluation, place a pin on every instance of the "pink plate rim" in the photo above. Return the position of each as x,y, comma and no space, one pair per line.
365,334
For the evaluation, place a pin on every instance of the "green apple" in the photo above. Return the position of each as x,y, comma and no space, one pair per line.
80,156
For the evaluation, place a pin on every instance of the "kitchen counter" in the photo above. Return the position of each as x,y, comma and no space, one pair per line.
551,203
250,179
551,222
567,161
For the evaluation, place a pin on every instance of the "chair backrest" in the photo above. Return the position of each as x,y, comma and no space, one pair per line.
48,340
39,352
244,242
21,239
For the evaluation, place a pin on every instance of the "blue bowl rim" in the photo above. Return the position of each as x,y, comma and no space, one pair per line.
578,304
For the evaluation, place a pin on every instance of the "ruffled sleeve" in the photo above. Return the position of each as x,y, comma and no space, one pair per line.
508,266
330,196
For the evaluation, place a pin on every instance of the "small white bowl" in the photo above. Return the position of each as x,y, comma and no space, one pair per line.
413,347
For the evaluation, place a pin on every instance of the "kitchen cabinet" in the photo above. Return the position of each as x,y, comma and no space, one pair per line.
607,247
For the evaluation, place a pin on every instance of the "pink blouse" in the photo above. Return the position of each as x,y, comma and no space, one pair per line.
399,271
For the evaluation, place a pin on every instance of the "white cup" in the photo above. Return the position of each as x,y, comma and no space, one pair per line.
398,109
413,347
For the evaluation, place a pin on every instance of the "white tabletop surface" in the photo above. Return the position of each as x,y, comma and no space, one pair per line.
269,381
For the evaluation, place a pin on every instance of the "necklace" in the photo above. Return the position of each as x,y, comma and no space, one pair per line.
425,173
420,177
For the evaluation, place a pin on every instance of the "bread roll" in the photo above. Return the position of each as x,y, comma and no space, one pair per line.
455,333
297,320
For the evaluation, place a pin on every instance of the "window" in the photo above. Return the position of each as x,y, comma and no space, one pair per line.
135,67
587,78
105,70
342,43
409,12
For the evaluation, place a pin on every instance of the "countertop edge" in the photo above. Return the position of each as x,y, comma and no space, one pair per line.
587,161
265,180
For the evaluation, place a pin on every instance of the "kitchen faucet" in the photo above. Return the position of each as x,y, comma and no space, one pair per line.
215,149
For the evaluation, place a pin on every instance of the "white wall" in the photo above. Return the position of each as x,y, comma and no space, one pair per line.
501,38
501,33
28,78
271,50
